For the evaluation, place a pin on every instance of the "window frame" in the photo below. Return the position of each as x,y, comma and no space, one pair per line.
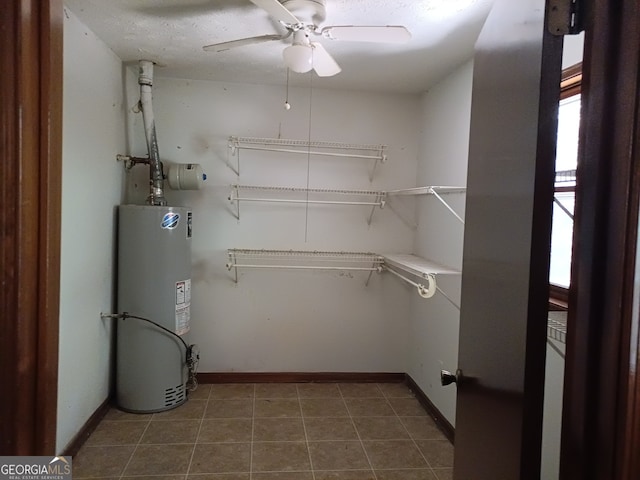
570,85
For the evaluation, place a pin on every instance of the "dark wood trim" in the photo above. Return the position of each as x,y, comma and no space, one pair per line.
50,185
30,173
564,188
571,73
87,429
601,413
571,81
300,377
443,424
558,297
537,308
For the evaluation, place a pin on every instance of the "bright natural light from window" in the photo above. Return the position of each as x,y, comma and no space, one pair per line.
568,126
566,163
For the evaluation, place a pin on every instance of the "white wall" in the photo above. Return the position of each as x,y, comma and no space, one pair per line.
444,144
93,133
272,320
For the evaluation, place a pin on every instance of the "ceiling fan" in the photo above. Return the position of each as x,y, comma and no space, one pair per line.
304,55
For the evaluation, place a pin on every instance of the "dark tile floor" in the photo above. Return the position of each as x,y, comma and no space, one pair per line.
284,431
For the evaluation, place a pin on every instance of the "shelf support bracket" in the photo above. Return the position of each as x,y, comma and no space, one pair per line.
381,159
233,265
375,267
562,207
411,224
442,200
380,202
234,150
234,198
448,298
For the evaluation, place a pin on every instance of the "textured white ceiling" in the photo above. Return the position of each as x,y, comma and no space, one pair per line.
172,33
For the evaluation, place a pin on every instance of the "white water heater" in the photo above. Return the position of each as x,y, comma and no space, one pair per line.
154,282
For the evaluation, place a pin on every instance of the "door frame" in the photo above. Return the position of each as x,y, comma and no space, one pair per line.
601,413
601,336
30,195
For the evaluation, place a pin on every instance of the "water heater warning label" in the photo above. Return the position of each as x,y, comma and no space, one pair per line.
183,306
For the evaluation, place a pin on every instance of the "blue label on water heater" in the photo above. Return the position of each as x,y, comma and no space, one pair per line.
170,220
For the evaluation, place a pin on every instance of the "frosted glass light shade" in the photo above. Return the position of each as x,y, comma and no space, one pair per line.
298,58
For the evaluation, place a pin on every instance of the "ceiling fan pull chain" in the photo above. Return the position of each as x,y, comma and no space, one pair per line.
306,220
287,105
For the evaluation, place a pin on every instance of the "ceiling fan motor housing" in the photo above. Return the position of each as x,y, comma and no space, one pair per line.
310,11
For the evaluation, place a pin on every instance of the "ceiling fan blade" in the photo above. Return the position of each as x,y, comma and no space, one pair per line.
323,62
277,11
221,47
381,34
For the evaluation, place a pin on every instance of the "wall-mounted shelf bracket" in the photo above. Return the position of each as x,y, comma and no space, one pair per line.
436,191
562,207
376,153
421,268
308,196
303,260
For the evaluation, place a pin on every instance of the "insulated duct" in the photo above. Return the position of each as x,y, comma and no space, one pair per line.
156,177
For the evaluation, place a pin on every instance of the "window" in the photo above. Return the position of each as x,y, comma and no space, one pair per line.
565,185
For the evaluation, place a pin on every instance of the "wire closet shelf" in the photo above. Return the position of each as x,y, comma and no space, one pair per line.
307,196
239,258
400,265
557,329
372,152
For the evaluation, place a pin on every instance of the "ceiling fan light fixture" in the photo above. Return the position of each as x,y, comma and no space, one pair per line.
298,58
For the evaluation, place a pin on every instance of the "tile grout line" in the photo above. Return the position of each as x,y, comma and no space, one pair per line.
253,429
411,437
135,449
364,450
387,396
306,437
195,442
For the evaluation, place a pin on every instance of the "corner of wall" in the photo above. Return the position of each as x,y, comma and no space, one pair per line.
443,156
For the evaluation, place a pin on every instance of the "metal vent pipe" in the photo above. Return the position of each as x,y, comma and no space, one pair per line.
156,177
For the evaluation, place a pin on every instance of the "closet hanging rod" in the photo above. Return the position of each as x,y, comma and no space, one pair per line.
382,158
310,190
306,253
304,260
323,202
242,142
303,267
428,190
377,153
424,292
378,201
